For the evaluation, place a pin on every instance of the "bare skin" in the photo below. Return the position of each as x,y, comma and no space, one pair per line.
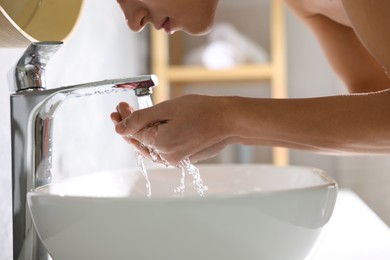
355,36
193,17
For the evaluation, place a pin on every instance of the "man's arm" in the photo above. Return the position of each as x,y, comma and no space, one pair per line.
340,124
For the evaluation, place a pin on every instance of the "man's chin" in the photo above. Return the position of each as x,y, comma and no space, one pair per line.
199,32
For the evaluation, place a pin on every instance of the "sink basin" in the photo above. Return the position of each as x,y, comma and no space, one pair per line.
249,212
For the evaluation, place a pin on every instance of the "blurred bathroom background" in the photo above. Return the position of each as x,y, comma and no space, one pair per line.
102,47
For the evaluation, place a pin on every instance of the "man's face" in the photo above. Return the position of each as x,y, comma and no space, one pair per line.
195,17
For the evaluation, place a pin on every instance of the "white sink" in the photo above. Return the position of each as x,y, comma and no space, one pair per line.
249,212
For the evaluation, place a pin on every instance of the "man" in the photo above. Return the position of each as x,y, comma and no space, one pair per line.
355,36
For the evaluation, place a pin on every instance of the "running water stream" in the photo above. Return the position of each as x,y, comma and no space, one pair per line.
185,165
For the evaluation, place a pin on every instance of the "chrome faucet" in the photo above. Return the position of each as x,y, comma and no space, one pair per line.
32,112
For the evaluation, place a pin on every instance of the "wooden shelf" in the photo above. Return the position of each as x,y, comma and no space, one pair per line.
273,71
199,74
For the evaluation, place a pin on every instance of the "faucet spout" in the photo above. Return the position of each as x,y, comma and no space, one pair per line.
142,87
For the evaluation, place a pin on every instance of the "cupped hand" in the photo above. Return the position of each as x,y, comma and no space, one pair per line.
123,110
192,126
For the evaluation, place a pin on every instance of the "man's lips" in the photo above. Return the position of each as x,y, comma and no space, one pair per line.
166,25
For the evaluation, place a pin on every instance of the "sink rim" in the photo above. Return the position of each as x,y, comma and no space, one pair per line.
329,182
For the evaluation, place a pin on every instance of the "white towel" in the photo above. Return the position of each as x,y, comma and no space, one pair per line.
226,48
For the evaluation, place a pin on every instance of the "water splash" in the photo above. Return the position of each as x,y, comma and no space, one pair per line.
182,187
140,161
185,165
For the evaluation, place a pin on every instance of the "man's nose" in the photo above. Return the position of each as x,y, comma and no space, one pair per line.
135,14
137,19
136,25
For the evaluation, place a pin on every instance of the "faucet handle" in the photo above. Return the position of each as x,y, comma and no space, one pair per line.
29,72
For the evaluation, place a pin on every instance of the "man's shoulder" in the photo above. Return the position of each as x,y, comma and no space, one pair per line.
299,7
333,10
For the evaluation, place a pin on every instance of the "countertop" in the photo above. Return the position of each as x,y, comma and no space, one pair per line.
354,232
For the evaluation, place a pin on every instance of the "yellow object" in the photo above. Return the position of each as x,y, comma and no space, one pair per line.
26,21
